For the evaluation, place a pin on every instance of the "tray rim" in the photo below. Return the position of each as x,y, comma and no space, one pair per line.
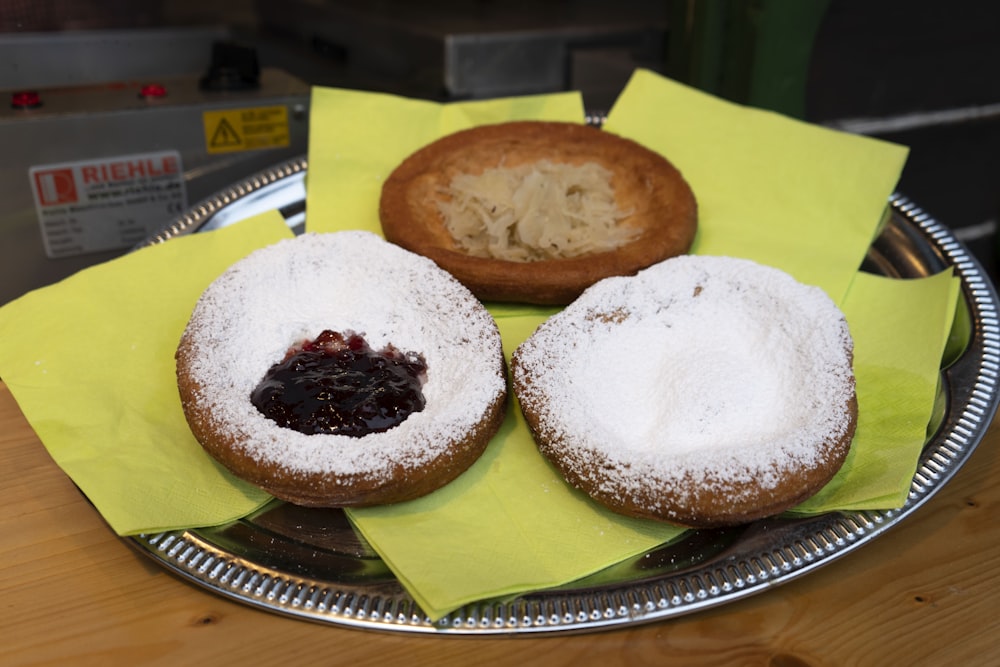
971,383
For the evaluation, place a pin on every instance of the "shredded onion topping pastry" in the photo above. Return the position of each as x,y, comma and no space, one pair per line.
538,211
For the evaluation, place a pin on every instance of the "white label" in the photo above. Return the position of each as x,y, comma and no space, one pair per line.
106,204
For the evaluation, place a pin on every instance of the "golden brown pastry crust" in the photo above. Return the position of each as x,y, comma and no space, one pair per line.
662,206
773,460
254,312
724,503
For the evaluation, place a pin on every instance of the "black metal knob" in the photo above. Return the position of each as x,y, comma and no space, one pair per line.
233,67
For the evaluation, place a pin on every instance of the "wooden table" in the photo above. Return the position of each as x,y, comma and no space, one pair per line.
72,592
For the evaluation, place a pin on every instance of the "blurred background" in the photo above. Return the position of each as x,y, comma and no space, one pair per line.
157,105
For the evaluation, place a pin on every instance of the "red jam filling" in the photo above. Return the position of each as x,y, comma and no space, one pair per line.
337,384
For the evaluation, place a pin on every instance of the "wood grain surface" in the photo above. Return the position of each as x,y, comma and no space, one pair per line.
73,593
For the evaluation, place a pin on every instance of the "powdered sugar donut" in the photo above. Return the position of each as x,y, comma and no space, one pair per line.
419,323
704,391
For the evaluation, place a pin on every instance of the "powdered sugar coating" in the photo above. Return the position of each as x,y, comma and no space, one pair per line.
698,375
277,296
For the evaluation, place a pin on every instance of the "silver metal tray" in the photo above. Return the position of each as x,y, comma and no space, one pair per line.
310,564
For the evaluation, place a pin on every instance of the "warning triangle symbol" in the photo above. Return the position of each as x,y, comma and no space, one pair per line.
225,135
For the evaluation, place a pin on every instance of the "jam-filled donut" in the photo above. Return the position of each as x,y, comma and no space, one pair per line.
339,370
535,211
704,391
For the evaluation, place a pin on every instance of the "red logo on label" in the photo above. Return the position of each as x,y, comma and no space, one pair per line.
55,186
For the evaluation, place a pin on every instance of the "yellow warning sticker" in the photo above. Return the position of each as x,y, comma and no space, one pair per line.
250,129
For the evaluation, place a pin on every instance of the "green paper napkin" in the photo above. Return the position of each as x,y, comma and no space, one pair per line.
786,193
90,362
897,353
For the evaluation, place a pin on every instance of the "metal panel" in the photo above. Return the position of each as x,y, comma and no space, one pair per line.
83,58
95,122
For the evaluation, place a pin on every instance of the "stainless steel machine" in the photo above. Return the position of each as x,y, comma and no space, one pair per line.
448,50
108,135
